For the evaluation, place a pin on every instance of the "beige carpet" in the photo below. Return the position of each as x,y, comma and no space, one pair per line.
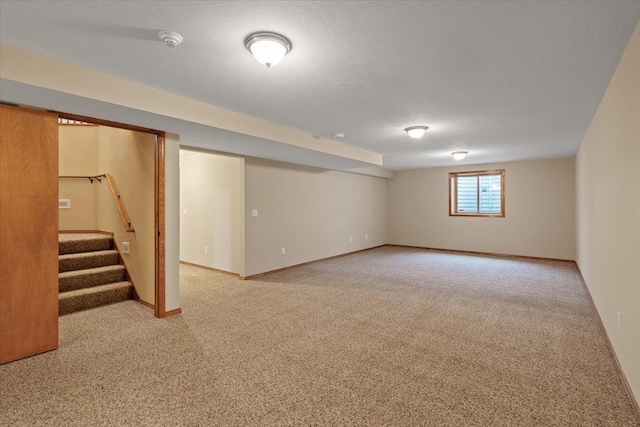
390,336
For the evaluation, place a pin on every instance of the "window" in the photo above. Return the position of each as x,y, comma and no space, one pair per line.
478,193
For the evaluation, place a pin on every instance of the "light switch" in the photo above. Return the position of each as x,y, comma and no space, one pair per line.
254,212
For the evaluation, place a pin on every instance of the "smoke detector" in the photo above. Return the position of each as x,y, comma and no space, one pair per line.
170,38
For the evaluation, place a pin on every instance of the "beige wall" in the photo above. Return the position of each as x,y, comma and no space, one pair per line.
172,222
130,158
78,156
211,207
539,211
311,212
608,210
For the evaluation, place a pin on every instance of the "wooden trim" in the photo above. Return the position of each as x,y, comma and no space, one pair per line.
627,387
116,198
160,227
114,193
254,276
136,294
453,189
108,233
480,172
210,268
487,254
503,206
478,215
94,121
151,306
172,312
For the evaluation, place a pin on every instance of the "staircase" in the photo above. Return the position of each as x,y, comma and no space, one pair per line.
90,273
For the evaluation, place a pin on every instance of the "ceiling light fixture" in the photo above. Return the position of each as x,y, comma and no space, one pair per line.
459,155
416,132
267,48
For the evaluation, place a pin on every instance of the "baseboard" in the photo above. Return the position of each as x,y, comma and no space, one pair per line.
254,276
171,312
210,268
151,306
166,313
487,254
632,398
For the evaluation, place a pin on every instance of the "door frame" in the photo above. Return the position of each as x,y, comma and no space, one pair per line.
159,303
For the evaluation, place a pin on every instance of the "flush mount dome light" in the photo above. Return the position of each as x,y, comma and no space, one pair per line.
459,155
267,48
416,132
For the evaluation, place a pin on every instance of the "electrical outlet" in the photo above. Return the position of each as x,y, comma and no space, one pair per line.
619,322
351,239
185,212
283,251
206,249
126,248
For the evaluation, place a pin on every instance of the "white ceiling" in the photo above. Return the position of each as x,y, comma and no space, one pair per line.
502,80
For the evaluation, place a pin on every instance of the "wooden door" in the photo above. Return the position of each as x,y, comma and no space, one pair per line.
28,232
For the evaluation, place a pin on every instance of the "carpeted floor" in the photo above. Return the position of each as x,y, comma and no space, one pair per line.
391,336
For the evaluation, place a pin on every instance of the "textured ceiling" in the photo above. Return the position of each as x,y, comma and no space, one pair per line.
502,80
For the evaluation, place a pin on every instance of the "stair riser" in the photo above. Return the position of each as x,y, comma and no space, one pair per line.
84,302
88,280
72,264
78,246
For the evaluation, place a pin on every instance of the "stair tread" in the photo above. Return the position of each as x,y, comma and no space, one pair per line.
69,243
87,254
94,289
86,260
97,296
88,271
74,237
